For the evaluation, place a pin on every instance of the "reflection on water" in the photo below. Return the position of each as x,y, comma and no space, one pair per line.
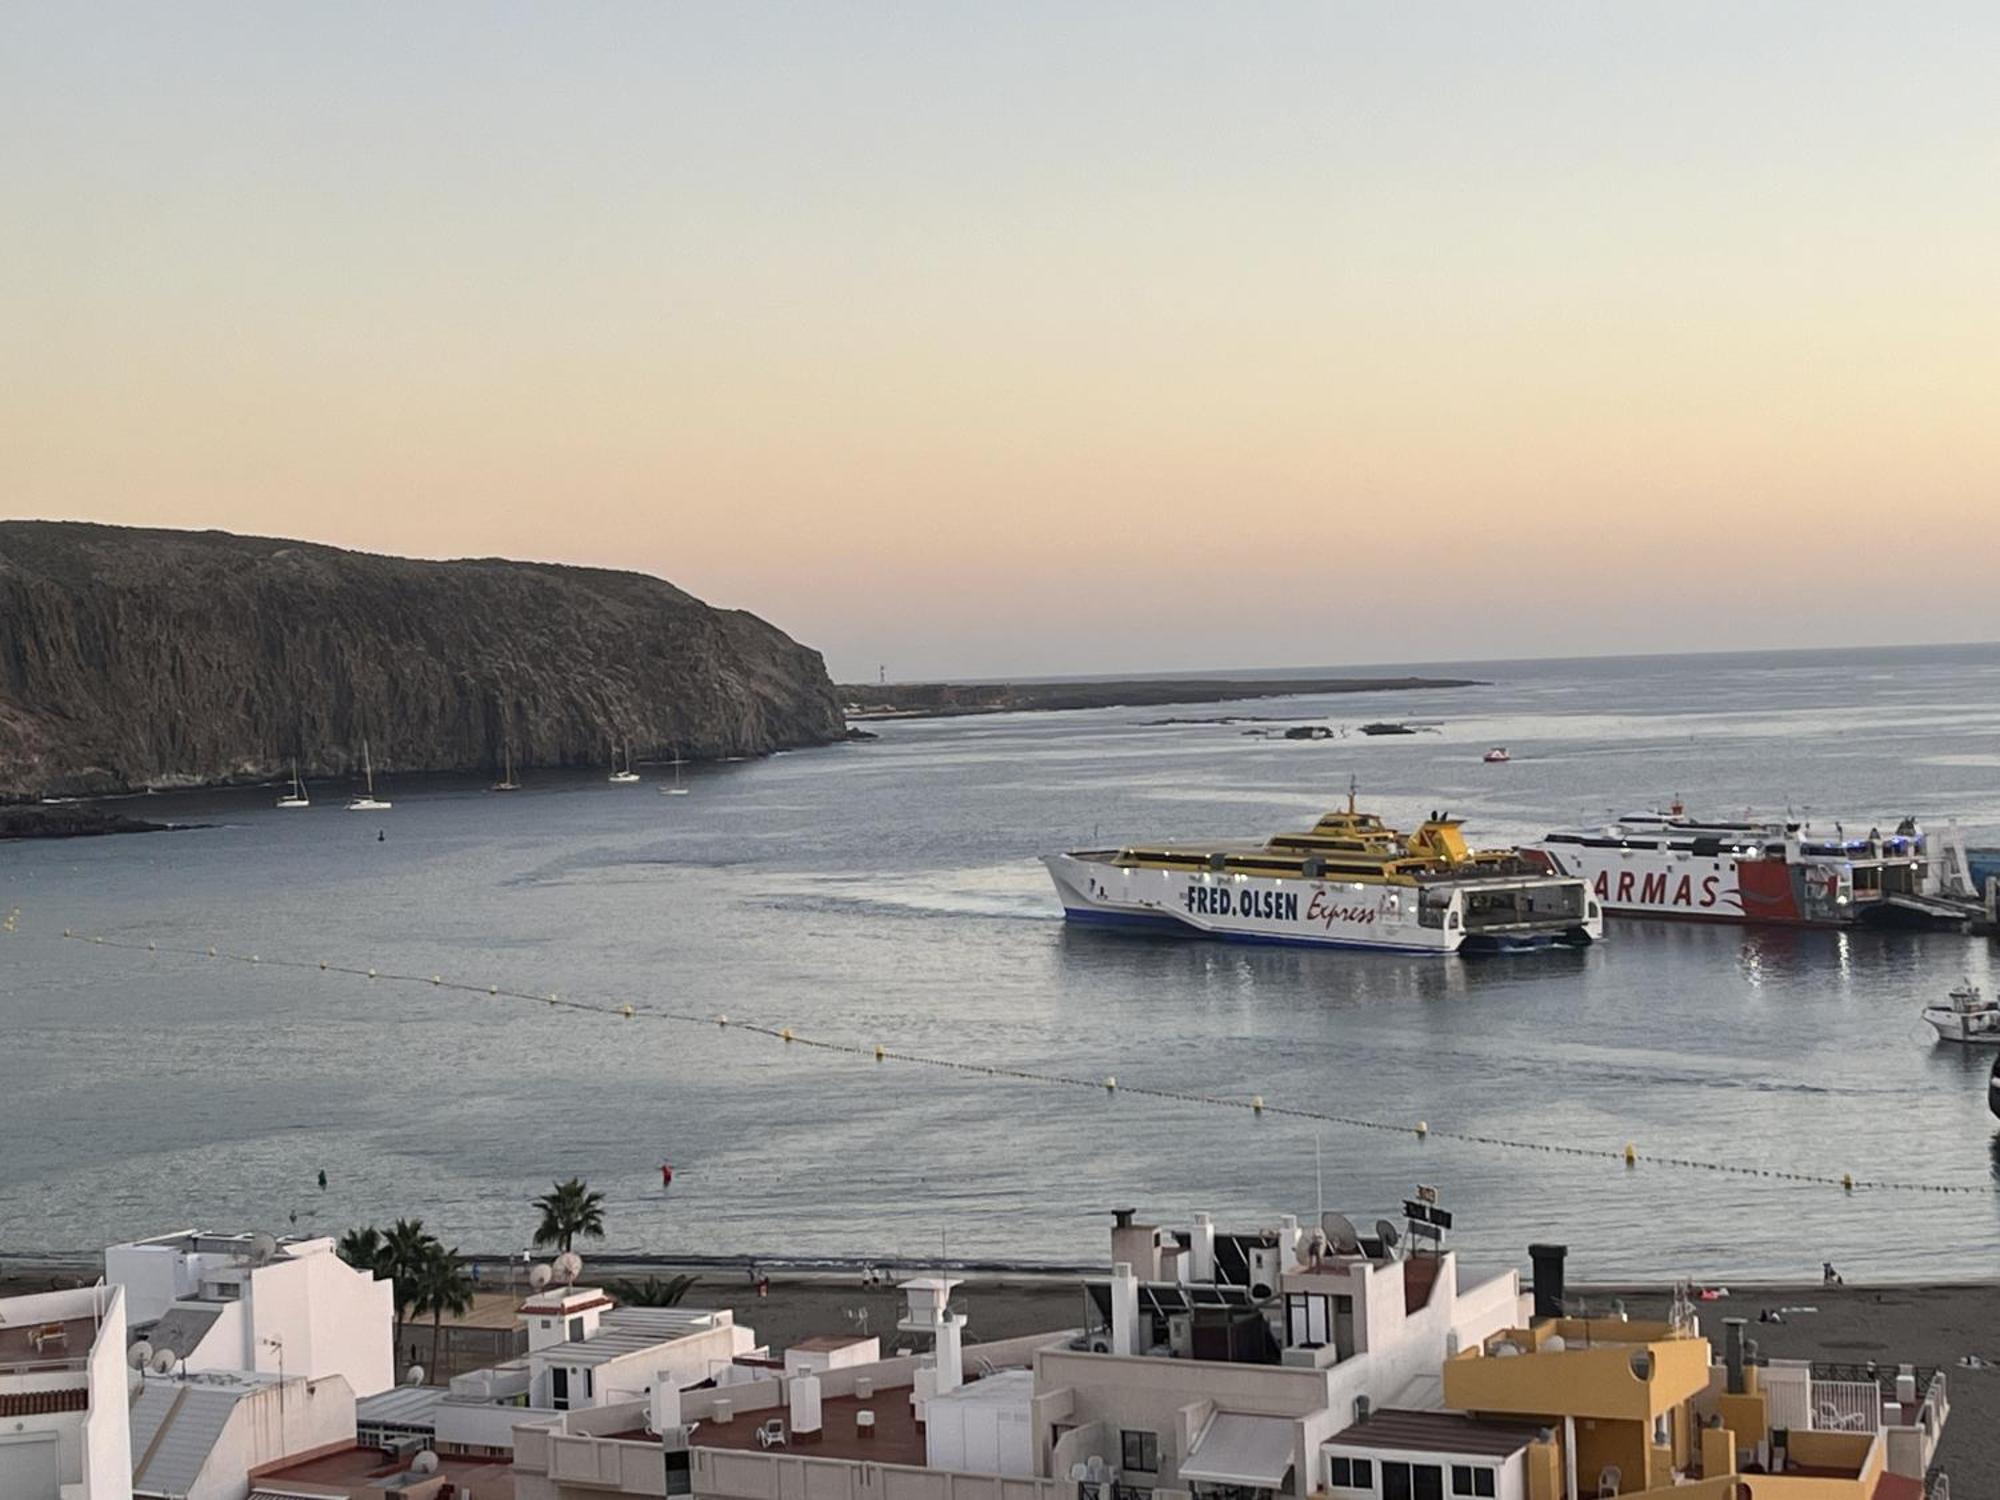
889,893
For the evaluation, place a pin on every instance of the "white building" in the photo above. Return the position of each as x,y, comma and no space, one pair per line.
253,1302
200,1437
584,1352
64,1387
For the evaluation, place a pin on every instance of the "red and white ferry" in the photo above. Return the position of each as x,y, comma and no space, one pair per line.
1667,864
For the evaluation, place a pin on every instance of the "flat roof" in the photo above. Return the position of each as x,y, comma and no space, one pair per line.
626,1330
1437,1432
401,1406
824,1343
897,1439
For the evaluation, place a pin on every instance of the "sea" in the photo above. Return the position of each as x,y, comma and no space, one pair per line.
887,893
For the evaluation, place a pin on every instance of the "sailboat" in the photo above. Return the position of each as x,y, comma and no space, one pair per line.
367,801
507,783
296,797
626,776
679,788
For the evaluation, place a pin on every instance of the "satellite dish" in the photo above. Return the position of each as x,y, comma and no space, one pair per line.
1389,1235
164,1361
1340,1233
425,1462
569,1266
538,1277
138,1354
263,1247
414,1375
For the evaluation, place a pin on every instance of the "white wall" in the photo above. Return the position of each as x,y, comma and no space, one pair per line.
152,1275
271,1425
107,1430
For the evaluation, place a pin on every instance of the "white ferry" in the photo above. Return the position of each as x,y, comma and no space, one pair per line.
1349,882
1671,865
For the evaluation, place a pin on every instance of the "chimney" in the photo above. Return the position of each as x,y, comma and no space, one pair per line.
1124,1310
803,1391
1201,1252
1732,1353
1548,1261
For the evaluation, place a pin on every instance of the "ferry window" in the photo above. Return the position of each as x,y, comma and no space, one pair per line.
1351,1474
1141,1452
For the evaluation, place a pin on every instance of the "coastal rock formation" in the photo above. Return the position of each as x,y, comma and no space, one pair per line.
133,658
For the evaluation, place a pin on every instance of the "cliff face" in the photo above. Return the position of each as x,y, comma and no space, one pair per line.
133,658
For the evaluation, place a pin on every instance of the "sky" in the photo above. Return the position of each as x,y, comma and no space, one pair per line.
1042,337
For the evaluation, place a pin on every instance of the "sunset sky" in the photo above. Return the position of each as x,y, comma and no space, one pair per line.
1020,337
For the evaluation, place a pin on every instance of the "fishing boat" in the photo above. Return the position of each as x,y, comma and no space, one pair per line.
679,788
1966,1016
296,797
1350,881
507,783
368,801
1497,756
1780,871
626,776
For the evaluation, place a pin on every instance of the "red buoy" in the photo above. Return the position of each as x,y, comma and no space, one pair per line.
666,1174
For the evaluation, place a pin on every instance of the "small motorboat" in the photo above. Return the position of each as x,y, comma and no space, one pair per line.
1968,1016
1497,755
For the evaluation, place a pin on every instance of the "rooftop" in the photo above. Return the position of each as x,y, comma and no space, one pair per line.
1437,1432
897,1439
358,1474
626,1330
826,1343
53,1343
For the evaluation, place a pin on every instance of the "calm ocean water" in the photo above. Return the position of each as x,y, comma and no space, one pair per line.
889,892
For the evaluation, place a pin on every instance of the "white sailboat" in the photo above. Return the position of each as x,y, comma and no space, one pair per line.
626,776
296,797
367,801
679,788
507,783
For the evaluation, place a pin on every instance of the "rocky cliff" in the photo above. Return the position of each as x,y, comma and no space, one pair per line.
133,658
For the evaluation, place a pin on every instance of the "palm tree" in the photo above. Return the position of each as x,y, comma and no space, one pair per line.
405,1250
652,1292
568,1211
440,1286
361,1248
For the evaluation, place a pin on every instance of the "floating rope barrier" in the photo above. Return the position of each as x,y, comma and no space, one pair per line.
1628,1155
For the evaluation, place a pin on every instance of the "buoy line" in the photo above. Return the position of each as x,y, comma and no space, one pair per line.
1627,1155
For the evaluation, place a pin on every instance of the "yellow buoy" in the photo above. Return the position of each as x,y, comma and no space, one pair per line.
627,1010
322,965
371,973
1257,1103
211,953
1111,1084
1423,1128
437,979
1631,1154
880,1052
722,1020
1847,1181
492,989
786,1033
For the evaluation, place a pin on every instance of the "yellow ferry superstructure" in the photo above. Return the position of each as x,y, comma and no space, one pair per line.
1350,881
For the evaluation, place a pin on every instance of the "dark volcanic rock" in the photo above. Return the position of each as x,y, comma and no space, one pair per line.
134,658
70,820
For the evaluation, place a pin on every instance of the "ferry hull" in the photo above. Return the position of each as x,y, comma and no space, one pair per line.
1255,909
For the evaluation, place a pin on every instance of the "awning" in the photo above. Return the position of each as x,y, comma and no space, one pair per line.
1253,1452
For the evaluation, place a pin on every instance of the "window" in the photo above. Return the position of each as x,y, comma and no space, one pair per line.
1141,1453
559,1387
1309,1318
1351,1474
1412,1481
586,1385
576,1330
1472,1481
